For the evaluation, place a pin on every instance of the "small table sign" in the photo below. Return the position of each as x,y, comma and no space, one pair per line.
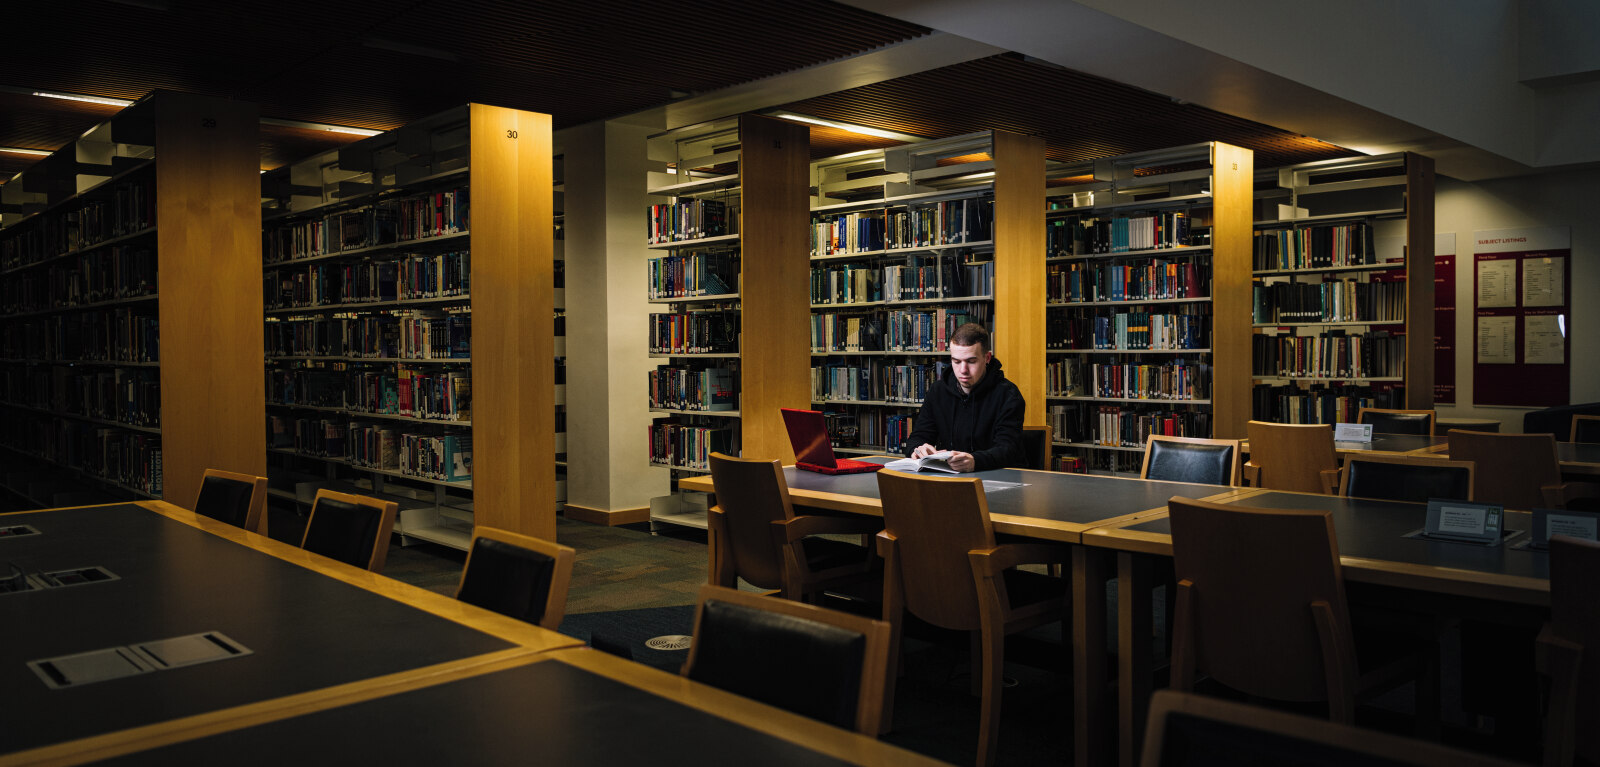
1352,432
1583,525
1462,522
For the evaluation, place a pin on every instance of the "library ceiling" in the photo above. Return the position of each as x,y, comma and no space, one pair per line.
377,66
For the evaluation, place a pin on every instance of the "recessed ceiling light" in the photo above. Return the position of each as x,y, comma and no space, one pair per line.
78,97
859,129
319,126
20,150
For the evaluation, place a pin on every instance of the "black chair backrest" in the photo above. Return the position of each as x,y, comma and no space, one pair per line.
507,579
1191,462
797,664
344,531
1415,483
227,500
1035,445
1585,430
1399,423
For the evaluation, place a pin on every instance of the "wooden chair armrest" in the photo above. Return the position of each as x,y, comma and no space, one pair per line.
807,525
1330,480
1252,474
991,562
1558,496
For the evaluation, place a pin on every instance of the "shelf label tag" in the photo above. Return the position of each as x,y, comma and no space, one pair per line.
1352,432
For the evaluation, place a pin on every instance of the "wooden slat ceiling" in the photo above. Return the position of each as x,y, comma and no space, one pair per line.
380,65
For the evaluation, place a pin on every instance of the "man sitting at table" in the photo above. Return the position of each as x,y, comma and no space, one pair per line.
972,411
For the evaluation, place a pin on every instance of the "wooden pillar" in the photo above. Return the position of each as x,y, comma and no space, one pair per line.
208,240
1233,169
1019,266
513,302
775,272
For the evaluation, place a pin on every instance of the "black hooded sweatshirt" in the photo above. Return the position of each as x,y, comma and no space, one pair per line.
986,423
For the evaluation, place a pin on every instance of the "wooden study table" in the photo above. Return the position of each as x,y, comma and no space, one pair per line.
568,707
1049,506
1508,583
312,626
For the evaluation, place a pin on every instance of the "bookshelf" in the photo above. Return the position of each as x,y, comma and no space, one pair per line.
1147,287
559,280
1338,321
907,244
409,280
127,302
728,267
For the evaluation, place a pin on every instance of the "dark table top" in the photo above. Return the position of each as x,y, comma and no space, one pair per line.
1376,530
546,712
1072,499
305,630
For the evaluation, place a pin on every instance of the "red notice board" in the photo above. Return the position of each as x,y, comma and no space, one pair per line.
1522,321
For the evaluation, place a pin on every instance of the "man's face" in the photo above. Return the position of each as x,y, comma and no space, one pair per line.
969,362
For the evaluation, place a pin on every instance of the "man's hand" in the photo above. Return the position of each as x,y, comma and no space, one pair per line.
924,450
963,461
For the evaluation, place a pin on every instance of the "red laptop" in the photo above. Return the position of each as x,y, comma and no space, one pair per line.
809,437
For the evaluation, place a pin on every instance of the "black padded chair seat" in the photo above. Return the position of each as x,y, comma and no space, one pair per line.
1191,462
225,500
1403,482
508,579
343,531
800,665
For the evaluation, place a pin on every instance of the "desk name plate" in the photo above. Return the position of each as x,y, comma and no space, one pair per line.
1352,432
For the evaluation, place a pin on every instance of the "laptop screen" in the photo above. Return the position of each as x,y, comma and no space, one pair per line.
808,435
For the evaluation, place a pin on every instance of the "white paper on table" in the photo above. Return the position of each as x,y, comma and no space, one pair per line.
1497,283
1542,342
1497,340
1544,281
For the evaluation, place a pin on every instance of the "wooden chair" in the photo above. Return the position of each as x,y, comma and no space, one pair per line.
1412,478
1388,421
829,665
1191,730
1568,651
517,575
238,499
1191,459
1261,608
1520,471
941,564
353,529
754,534
1294,457
1585,428
1036,442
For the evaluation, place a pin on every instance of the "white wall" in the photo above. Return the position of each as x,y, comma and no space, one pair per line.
1569,199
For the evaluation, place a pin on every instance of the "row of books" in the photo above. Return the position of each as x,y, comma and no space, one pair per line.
435,396
949,222
404,219
693,273
442,456
96,335
1091,235
1315,247
1174,380
105,274
688,446
1332,354
1123,425
1069,464
949,276
846,284
875,380
411,276
687,218
711,332
1186,326
929,330
128,458
1332,301
1099,462
125,395
872,429
680,388
409,334
838,332
128,209
1145,279
859,232
1284,403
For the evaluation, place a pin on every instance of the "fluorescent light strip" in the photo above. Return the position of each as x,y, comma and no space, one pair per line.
88,99
859,129
20,150
319,126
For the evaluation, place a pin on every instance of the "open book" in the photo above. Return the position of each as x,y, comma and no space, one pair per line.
939,461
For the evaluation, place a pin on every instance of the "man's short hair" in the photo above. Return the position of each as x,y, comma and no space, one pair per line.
971,334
